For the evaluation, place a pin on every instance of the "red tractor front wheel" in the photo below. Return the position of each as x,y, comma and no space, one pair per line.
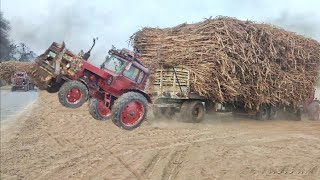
129,110
98,109
73,94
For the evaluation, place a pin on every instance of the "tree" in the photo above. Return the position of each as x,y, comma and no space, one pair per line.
21,52
4,38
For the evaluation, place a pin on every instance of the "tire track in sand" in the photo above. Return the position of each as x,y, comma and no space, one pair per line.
172,169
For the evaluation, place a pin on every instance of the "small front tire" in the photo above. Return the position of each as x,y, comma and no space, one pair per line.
73,94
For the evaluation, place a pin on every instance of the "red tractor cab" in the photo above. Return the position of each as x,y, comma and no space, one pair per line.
114,90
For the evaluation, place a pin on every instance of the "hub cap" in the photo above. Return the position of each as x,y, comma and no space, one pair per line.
132,113
103,110
74,96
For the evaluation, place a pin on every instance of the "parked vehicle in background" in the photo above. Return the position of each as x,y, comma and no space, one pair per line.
21,81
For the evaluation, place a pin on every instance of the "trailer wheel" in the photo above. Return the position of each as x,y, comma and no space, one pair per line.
162,112
13,88
273,113
129,110
98,110
263,113
313,110
192,111
73,94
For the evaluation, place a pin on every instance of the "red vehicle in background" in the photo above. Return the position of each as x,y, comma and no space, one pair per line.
21,81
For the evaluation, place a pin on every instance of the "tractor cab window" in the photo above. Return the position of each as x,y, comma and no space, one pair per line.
114,64
131,73
140,78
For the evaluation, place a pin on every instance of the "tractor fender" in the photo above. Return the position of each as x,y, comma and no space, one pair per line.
141,92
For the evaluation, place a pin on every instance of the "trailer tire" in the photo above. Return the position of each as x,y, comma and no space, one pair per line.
263,113
273,113
13,88
73,94
129,110
192,111
97,111
162,112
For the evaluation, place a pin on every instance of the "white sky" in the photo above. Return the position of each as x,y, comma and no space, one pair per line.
39,22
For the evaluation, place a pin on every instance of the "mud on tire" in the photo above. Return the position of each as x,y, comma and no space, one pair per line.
125,108
73,94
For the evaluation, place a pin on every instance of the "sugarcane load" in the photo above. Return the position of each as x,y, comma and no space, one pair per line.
247,65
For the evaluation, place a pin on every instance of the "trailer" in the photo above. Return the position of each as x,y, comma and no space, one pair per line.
172,89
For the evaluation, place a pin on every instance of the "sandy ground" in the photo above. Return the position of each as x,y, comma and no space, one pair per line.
52,142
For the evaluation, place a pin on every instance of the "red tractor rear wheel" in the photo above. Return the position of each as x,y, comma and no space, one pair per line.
129,110
73,94
98,109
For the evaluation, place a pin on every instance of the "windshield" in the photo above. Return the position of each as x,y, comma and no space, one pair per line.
114,64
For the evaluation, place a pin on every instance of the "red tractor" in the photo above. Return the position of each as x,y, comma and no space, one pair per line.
115,89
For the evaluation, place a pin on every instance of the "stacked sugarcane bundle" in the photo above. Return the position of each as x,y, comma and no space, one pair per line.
235,60
7,68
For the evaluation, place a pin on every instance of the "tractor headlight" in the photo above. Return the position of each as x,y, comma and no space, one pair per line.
68,65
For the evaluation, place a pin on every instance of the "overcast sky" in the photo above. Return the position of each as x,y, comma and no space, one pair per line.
39,22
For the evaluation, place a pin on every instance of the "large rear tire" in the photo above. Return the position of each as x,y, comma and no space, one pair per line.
73,94
129,110
98,110
192,111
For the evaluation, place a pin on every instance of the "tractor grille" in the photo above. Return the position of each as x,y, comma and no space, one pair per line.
19,81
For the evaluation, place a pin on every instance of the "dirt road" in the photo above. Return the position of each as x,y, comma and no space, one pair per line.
58,143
